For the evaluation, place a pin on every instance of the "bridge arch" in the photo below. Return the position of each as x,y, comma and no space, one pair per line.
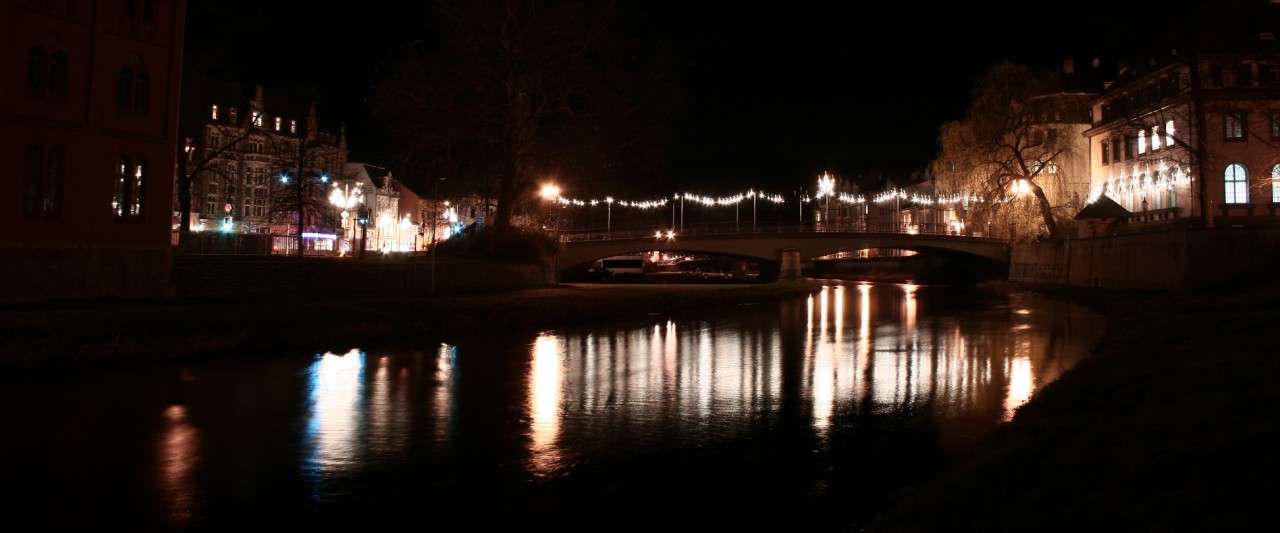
770,248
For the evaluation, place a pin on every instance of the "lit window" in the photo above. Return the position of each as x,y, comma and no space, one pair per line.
136,190
1275,184
119,198
1236,182
293,126
1168,133
257,119
1233,125
278,120
1155,138
214,112
1142,142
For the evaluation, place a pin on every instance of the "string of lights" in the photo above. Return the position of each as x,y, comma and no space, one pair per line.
845,198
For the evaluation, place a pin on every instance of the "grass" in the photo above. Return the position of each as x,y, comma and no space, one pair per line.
95,335
1170,426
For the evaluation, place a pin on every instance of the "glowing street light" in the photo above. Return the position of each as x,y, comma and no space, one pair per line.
347,199
608,224
826,187
550,193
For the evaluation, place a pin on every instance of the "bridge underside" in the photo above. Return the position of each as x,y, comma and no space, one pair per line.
784,252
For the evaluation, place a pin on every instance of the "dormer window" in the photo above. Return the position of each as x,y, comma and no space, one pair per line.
293,126
231,114
278,120
257,119
213,112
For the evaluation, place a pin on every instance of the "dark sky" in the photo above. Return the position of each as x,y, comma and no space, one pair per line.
780,93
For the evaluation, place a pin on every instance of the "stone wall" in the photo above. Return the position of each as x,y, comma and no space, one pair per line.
34,274
1178,260
214,275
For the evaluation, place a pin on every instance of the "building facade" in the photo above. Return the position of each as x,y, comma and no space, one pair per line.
259,168
88,144
1190,136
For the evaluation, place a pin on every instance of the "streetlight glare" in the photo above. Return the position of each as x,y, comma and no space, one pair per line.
550,191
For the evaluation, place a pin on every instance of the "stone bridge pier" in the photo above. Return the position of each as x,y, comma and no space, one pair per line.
790,268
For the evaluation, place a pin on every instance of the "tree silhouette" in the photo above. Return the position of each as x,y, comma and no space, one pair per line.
515,93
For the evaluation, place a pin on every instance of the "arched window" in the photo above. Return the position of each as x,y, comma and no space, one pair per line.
119,198
137,188
37,63
33,165
1275,184
124,90
141,94
43,172
54,169
133,92
130,184
1236,182
58,75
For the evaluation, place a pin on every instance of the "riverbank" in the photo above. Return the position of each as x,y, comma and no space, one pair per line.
92,335
1169,426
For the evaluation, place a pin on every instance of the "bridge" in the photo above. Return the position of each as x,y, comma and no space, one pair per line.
781,246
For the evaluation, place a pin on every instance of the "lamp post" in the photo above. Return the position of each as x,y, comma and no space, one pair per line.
754,198
802,196
608,223
682,214
826,185
674,197
435,204
550,193
347,199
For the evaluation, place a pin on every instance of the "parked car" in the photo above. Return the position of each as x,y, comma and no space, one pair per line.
714,274
595,273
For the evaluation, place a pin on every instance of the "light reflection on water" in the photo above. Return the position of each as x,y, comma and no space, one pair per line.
844,396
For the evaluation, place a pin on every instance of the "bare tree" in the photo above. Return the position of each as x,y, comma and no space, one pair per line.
1013,140
307,166
205,143
517,92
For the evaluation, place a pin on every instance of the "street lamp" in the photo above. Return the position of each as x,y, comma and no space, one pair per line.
608,223
802,197
826,186
347,199
550,192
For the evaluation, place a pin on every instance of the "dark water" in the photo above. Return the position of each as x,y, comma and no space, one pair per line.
809,414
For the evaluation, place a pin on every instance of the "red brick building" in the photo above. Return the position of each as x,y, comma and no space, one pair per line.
88,144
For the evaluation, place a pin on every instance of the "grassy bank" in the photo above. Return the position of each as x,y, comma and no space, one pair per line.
1170,426
93,335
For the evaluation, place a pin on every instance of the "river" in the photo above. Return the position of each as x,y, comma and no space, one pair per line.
807,414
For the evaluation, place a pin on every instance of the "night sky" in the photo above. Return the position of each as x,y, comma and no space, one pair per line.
779,95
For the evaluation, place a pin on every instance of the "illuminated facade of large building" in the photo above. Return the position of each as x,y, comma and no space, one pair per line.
1190,136
256,169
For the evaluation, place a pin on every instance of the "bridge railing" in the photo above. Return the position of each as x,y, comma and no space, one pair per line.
758,229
